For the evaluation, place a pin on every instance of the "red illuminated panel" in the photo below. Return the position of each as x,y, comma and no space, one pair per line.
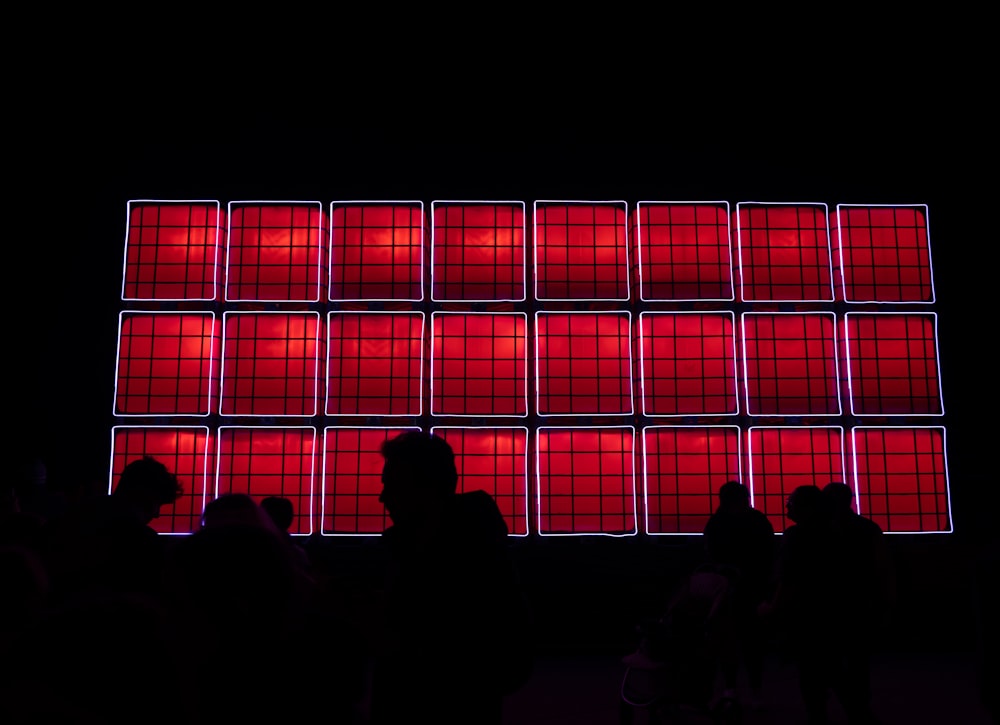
584,363
479,364
784,252
275,251
185,451
494,460
892,363
172,250
688,363
581,250
375,363
782,459
586,481
884,253
352,481
270,363
376,250
477,251
269,461
167,363
790,363
683,469
901,476
684,250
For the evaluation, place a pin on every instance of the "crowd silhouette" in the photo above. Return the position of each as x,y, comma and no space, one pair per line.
103,620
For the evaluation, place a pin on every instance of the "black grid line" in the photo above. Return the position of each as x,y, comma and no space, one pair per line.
270,461
270,363
185,451
274,251
688,363
172,250
478,251
167,364
376,251
893,363
375,363
684,251
683,468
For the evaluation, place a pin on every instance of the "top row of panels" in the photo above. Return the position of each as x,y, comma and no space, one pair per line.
482,251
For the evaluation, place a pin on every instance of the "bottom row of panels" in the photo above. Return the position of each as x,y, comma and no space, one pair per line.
556,481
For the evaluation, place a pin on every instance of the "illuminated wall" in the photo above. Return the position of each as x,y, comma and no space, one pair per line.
601,368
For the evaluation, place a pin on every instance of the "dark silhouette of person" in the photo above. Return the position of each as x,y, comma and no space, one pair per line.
455,624
741,539
281,510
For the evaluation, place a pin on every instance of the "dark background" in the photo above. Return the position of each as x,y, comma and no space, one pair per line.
901,122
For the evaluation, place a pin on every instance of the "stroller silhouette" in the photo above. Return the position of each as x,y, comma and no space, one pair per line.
671,676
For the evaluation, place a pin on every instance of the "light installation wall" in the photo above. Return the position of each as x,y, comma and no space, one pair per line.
599,367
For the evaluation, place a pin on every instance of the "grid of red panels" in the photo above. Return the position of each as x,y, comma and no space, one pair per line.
263,461
892,363
479,364
688,363
477,251
784,252
185,451
684,250
377,250
375,363
900,475
583,363
586,481
274,251
683,468
172,250
790,363
780,459
168,363
581,250
494,460
884,253
352,480
270,363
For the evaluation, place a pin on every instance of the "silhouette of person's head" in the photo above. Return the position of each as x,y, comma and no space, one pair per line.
839,497
280,510
145,485
235,509
734,495
805,504
418,474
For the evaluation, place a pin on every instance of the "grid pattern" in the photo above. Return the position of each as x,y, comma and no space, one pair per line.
269,461
583,363
494,460
376,250
477,251
688,363
784,252
790,363
683,468
581,251
892,363
172,250
901,478
352,480
479,364
684,250
274,251
586,481
884,253
270,363
167,363
375,363
780,459
185,451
